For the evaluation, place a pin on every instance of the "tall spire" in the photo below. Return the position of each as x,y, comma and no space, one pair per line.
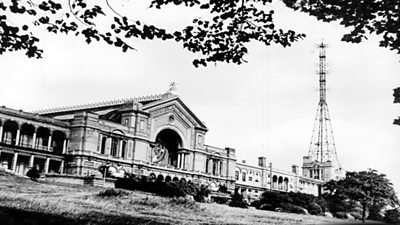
322,146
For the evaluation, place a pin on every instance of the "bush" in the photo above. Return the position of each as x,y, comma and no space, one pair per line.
392,216
356,215
166,189
340,215
237,201
33,173
290,208
111,192
314,209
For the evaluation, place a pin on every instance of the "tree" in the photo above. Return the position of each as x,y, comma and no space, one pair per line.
222,37
396,95
366,187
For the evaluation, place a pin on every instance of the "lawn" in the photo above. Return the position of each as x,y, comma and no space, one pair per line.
27,202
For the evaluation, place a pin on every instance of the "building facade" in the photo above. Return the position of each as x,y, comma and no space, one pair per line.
157,136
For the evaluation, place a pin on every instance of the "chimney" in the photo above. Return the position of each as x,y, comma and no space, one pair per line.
262,161
295,169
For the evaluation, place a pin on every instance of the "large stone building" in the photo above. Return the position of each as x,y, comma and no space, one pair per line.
156,136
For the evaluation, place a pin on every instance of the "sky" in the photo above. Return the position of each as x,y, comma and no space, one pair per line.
265,107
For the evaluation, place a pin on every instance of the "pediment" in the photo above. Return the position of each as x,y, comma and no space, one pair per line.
174,106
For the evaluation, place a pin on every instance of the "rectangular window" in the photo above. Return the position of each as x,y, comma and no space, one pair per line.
250,178
103,145
114,147
141,125
244,176
123,149
126,122
237,175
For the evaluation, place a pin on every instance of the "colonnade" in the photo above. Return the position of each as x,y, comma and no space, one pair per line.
28,135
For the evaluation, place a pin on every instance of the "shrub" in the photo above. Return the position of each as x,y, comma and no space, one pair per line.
33,173
111,192
274,198
237,201
340,215
290,208
220,199
166,189
314,209
356,215
392,216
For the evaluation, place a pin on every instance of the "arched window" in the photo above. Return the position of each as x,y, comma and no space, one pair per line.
236,175
243,176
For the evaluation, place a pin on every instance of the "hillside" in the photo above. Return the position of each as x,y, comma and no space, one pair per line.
23,201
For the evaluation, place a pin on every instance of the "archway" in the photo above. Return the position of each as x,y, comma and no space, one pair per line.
10,132
166,148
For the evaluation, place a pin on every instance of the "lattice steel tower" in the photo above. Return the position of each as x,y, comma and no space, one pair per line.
322,161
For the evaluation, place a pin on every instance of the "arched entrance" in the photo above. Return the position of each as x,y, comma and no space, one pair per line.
165,151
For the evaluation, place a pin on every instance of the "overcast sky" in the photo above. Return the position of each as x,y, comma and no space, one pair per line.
263,108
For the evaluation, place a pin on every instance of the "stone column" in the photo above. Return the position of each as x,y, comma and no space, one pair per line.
17,136
14,162
217,167
119,154
46,165
183,160
64,149
1,131
62,167
49,142
34,138
179,160
31,160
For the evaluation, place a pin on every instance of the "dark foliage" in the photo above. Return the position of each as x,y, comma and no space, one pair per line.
237,201
363,17
33,173
392,216
166,189
272,200
111,192
221,38
220,199
314,209
290,208
364,188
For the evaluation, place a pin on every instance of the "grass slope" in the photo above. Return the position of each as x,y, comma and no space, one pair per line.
23,201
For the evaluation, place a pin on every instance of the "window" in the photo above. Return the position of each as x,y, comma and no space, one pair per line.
250,178
237,175
103,145
141,125
244,176
126,122
123,150
114,146
199,139
256,180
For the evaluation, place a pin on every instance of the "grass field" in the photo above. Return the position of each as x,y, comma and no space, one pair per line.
23,201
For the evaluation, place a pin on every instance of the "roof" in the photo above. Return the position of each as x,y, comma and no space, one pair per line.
98,105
